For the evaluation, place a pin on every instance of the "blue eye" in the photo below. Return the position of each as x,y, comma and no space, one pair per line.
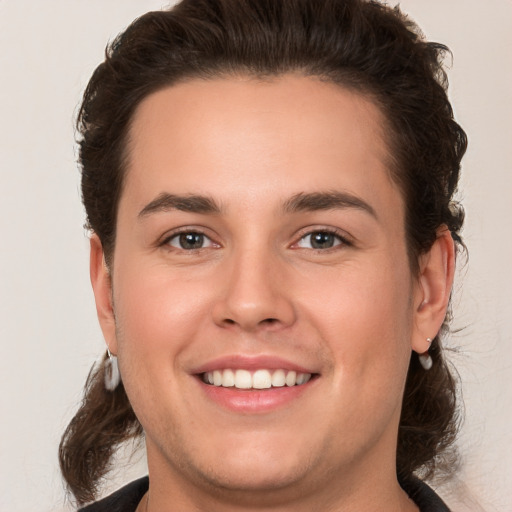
320,240
190,241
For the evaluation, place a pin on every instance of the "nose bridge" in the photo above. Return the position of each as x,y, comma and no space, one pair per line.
254,296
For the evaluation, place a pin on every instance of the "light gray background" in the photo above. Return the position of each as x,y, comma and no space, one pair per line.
48,330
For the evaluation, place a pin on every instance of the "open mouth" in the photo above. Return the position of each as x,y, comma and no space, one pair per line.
258,379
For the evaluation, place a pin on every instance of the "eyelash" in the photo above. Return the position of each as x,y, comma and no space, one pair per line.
167,240
341,238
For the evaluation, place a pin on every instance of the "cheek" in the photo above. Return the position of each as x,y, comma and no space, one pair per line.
157,315
367,323
365,314
157,319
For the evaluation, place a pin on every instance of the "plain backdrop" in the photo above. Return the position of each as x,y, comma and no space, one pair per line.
48,330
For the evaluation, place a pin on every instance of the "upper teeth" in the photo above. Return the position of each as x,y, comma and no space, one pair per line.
260,379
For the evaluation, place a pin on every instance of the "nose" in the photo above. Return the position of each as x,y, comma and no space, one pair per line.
255,294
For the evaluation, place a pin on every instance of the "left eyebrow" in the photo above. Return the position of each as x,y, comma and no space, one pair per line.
187,203
330,200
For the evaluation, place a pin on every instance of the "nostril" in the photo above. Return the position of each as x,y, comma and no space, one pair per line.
266,321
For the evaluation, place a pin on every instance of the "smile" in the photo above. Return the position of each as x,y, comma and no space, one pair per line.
259,379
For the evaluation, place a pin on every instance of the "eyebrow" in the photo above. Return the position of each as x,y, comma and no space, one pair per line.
189,203
301,202
330,200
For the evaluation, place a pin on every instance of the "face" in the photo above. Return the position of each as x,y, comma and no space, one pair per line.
263,304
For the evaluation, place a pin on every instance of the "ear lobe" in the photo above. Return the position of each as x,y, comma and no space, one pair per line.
102,288
437,268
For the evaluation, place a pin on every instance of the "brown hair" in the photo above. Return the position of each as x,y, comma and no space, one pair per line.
359,44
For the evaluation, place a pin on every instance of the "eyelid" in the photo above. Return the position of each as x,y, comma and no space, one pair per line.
164,241
345,239
174,241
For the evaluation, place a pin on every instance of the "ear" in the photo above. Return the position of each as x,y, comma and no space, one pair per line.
433,290
102,288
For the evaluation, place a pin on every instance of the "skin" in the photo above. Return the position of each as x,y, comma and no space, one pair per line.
351,313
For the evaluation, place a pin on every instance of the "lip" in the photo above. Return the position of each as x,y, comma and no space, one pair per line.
251,363
253,401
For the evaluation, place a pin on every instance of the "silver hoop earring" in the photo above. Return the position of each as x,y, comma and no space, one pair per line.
112,375
425,359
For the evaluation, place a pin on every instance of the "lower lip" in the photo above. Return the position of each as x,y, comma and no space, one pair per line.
255,400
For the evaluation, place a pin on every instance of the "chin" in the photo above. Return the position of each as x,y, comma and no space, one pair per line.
258,466
241,475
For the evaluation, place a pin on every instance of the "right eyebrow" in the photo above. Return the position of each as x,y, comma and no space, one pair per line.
188,203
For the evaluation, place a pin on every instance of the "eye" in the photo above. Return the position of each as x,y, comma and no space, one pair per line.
189,241
320,240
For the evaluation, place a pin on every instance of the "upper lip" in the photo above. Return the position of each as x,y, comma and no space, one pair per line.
244,362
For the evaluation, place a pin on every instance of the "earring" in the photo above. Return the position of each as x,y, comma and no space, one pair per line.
425,359
112,375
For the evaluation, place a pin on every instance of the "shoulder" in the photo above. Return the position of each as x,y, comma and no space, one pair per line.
425,497
125,499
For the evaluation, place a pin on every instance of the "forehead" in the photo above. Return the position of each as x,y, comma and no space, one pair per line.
235,136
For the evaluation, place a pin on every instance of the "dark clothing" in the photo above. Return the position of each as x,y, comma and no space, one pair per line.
127,498
424,497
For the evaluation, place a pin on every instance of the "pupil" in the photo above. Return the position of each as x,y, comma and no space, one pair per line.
191,240
322,240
